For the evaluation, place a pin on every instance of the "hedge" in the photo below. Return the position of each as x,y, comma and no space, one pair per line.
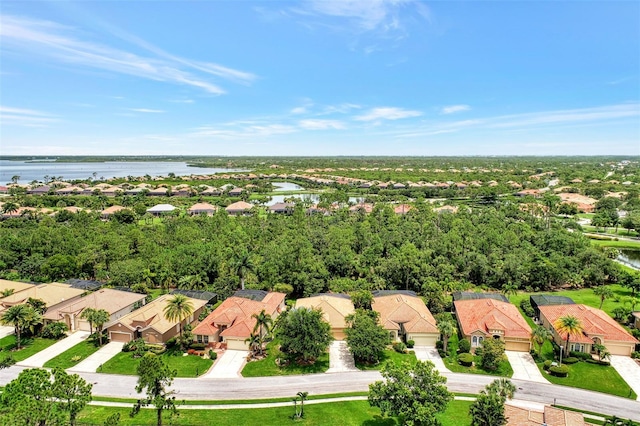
465,359
581,355
547,364
571,360
559,370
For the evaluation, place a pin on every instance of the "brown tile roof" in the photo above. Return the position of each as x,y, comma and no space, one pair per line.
15,285
517,416
402,208
108,299
202,207
236,313
152,315
486,314
51,294
594,323
396,309
334,308
111,210
239,206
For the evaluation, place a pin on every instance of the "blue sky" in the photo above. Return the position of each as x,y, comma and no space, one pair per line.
326,77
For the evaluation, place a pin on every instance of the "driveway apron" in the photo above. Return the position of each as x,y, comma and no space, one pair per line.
340,358
629,370
524,367
228,365
426,353
54,350
96,359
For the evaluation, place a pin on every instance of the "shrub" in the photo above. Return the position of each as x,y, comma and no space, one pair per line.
171,342
526,307
439,344
410,344
636,333
635,355
54,330
580,355
442,353
136,345
213,354
597,362
570,360
400,347
465,359
158,351
547,364
464,346
197,346
191,352
76,358
559,370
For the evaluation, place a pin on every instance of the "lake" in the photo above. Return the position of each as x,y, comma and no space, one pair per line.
68,171
630,258
286,186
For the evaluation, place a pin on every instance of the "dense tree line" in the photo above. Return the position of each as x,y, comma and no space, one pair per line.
499,248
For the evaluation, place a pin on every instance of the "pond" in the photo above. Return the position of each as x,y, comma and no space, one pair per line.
286,186
630,258
312,198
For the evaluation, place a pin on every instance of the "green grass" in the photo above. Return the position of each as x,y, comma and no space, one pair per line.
583,296
389,355
186,366
245,401
82,350
617,244
268,366
583,375
451,362
30,347
336,413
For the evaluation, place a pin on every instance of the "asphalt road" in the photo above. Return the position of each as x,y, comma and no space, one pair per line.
287,386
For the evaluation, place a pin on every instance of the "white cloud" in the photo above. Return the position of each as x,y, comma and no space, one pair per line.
340,108
149,110
299,110
366,14
182,101
315,124
45,38
244,132
387,113
455,108
24,117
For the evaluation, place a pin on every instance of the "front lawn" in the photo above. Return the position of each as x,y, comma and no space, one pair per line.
345,413
65,360
389,355
451,362
186,366
30,346
584,375
268,366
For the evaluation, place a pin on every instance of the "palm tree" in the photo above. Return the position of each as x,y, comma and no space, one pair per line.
88,315
255,344
509,290
570,325
603,292
302,396
446,328
100,318
16,315
263,321
177,309
9,208
502,387
242,264
540,335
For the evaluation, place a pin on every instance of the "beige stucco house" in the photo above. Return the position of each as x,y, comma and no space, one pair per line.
335,307
406,317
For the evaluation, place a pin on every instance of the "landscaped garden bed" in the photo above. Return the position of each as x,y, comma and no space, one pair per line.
269,366
185,365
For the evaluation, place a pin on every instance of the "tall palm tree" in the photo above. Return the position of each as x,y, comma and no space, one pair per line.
570,325
100,318
9,208
16,315
604,292
88,315
263,321
178,308
255,344
446,328
241,265
539,335
502,387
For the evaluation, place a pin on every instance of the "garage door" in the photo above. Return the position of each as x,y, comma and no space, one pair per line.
116,336
423,340
338,334
84,325
238,345
517,346
624,350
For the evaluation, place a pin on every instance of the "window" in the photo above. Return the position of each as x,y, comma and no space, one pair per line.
206,339
199,338
476,341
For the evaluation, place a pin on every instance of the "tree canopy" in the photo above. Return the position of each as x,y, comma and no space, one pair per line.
304,335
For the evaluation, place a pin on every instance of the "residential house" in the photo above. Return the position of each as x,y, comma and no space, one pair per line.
13,286
335,307
550,416
51,294
202,208
109,211
39,190
161,209
406,317
149,322
232,323
361,207
597,328
402,208
538,300
282,208
239,207
236,192
116,303
481,319
636,319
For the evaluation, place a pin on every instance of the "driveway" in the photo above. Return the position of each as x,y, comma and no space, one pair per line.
96,359
54,350
340,358
524,367
629,370
6,330
426,353
227,366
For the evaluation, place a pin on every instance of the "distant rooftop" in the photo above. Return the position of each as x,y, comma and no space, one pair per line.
256,295
90,285
380,293
470,295
209,296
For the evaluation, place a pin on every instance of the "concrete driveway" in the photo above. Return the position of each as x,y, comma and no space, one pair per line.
6,330
54,350
340,358
629,370
524,367
426,353
228,365
95,360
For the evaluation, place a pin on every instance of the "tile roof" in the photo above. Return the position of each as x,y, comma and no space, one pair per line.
112,210
236,313
397,309
110,300
152,314
334,307
239,206
486,314
517,416
14,285
594,323
202,207
51,294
